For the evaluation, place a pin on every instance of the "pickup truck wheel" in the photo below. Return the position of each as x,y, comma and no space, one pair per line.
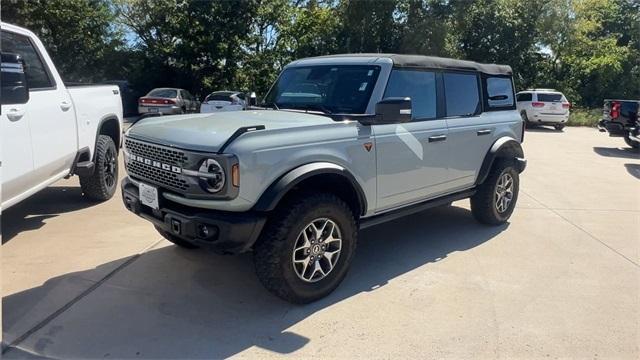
306,248
634,144
176,240
101,185
496,198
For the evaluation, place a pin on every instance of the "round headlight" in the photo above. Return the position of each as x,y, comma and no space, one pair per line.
212,177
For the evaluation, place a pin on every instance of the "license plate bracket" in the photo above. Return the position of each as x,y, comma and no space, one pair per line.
149,196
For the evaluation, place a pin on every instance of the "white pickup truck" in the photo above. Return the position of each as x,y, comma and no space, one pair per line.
50,131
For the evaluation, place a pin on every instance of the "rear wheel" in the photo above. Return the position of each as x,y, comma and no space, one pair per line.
634,144
101,185
305,250
559,127
496,198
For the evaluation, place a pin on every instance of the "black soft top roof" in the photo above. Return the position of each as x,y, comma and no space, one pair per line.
434,62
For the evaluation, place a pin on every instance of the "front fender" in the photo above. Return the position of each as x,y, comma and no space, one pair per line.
504,147
279,188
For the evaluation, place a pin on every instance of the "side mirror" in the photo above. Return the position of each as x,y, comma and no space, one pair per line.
393,110
14,82
253,99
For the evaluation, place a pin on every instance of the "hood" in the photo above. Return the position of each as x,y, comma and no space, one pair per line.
208,132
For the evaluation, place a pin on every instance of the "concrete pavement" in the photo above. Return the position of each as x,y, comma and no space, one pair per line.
562,279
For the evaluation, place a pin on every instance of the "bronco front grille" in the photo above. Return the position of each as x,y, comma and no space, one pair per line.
159,164
162,154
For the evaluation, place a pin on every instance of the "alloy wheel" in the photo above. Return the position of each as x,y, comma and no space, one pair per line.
317,250
504,192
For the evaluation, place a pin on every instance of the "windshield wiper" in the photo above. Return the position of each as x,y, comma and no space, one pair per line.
311,107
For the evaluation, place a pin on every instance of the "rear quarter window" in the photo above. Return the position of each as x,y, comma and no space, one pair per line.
498,93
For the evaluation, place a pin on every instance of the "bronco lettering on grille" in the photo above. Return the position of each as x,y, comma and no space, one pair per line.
154,163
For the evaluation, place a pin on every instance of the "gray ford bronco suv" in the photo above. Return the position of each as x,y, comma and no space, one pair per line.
341,143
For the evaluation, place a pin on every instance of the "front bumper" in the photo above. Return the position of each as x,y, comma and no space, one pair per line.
226,232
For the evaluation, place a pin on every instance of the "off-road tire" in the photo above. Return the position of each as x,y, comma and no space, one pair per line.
559,127
96,186
176,240
273,251
483,205
632,143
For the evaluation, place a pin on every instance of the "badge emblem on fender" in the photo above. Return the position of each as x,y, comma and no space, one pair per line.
368,146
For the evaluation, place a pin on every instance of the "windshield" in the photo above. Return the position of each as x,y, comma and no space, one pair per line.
342,89
163,93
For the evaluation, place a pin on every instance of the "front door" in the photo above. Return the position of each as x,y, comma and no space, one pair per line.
50,110
412,158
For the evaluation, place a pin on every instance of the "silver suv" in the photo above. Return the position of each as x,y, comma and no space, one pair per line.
341,143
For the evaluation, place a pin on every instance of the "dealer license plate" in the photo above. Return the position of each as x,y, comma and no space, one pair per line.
149,196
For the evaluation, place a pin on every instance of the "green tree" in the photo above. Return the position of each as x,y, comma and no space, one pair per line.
197,45
78,34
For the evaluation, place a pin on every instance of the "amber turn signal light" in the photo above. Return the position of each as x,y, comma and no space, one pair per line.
235,175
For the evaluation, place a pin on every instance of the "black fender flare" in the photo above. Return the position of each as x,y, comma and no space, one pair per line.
279,188
104,120
504,147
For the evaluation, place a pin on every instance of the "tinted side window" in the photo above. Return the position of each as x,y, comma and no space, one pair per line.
35,70
499,92
461,94
420,86
524,97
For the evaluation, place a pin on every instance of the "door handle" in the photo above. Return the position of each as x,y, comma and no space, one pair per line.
65,105
437,138
15,114
484,132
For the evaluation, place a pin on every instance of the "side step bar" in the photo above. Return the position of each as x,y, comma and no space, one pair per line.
416,208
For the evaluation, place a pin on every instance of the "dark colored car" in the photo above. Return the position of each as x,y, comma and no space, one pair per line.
620,118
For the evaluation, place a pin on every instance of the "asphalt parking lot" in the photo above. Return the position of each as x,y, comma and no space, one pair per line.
562,279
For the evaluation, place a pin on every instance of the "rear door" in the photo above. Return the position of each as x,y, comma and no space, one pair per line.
412,158
470,133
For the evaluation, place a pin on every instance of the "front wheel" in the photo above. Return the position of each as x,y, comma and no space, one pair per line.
101,185
496,198
559,127
306,248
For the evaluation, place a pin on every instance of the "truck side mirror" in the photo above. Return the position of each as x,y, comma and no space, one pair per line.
392,110
12,77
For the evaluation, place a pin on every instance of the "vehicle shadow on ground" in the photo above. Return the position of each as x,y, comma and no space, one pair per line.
31,213
176,303
625,153
633,169
543,129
